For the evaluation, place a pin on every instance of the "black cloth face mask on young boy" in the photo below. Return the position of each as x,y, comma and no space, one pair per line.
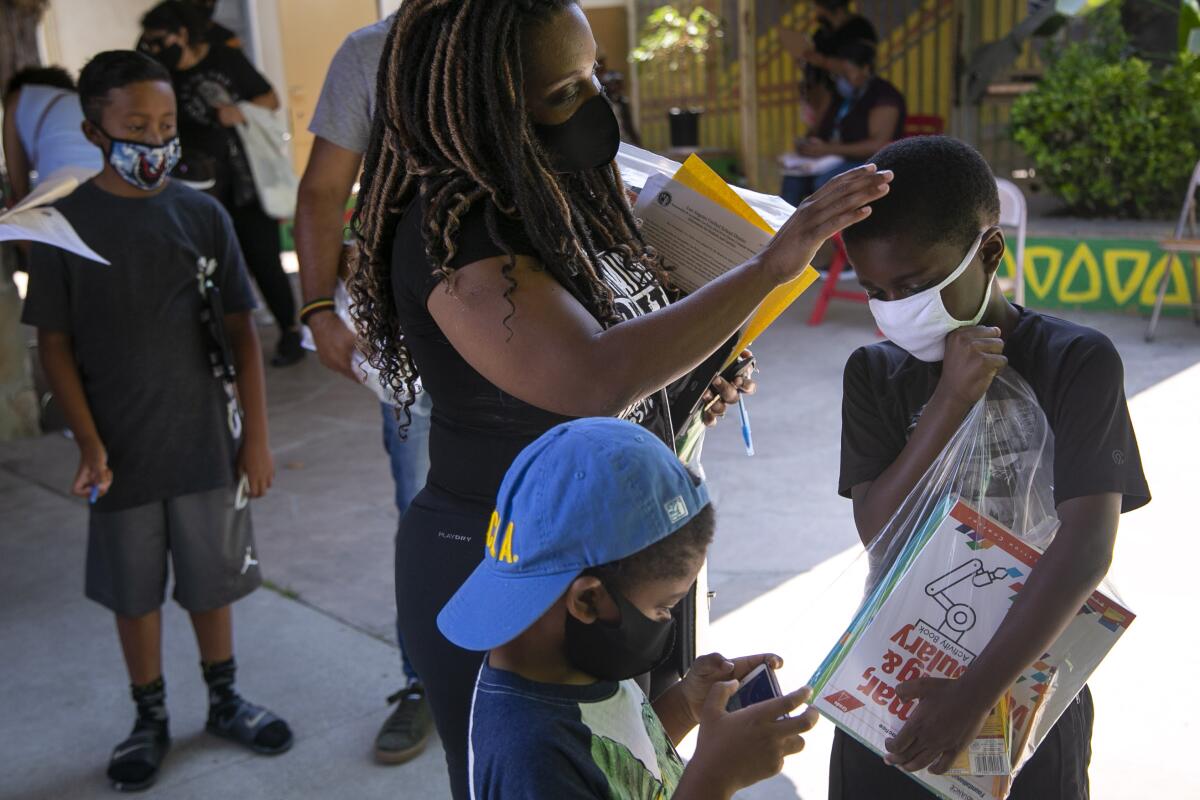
616,651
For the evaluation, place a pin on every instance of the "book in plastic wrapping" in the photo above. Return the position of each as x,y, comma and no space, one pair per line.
931,615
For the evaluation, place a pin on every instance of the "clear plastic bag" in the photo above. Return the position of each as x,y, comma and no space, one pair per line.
943,573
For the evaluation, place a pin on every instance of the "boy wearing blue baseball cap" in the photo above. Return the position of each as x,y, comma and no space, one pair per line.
599,531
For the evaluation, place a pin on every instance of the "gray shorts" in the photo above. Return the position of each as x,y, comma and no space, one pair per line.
210,541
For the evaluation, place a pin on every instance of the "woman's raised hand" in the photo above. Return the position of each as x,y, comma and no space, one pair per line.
832,208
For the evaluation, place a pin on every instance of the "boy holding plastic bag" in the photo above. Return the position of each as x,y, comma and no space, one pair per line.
928,257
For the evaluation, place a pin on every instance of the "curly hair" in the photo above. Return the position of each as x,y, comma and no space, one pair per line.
451,124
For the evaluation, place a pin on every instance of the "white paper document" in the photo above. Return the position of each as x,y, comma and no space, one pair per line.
49,226
368,376
33,220
698,239
794,164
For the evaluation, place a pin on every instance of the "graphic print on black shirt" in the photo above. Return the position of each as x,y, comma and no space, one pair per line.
141,349
222,77
637,293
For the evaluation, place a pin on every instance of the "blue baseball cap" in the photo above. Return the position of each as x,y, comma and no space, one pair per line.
585,493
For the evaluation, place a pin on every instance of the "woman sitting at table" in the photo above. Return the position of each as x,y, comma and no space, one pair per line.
868,113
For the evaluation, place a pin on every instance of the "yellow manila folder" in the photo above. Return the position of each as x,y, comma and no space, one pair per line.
700,178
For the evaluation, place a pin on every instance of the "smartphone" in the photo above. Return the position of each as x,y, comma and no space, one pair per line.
756,687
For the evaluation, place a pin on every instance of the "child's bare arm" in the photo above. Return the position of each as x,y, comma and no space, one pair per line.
58,361
973,357
254,459
950,713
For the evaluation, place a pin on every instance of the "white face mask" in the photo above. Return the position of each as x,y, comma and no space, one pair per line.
921,323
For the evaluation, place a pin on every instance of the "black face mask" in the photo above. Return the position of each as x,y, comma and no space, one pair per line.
615,651
167,56
589,139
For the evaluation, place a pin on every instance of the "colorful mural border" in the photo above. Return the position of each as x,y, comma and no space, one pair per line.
1114,274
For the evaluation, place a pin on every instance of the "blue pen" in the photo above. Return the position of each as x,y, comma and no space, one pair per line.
747,436
94,495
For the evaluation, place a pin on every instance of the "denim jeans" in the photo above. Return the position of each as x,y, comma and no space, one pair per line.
410,466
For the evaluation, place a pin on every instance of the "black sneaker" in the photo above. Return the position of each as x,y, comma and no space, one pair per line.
135,761
289,350
406,732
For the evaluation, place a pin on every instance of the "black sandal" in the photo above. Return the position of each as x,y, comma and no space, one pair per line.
135,761
254,727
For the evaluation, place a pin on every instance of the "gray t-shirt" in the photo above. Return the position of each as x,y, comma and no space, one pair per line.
347,102
141,350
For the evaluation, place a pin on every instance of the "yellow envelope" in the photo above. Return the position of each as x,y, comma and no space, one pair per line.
699,177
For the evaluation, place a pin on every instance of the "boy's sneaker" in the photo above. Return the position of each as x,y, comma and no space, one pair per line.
405,733
289,350
135,761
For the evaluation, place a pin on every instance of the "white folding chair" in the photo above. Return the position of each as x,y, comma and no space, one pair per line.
1013,214
1185,240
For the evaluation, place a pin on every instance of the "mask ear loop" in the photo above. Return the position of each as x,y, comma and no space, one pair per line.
966,262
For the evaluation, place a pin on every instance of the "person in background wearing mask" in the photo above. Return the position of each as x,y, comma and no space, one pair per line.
341,127
501,262
836,26
867,113
42,130
168,455
210,79
598,532
927,258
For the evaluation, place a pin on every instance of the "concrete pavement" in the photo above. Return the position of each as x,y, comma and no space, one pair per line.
320,649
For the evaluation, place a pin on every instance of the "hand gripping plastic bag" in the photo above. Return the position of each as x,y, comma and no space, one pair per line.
943,573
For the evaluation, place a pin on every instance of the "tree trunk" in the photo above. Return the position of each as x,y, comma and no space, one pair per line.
18,401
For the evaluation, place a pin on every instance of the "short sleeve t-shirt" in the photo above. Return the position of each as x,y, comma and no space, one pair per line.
477,429
347,102
222,77
849,120
1075,373
139,344
595,742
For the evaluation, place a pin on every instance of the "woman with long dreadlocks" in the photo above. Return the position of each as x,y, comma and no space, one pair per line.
501,261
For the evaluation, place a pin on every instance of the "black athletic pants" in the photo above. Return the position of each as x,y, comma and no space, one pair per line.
439,543
1057,771
258,236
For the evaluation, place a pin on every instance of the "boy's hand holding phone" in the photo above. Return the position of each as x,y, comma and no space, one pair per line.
257,464
738,749
93,473
945,722
707,671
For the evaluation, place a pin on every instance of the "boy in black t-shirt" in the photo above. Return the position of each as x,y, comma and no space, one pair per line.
141,354
927,257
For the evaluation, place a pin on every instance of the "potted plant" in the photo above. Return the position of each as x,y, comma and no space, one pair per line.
673,35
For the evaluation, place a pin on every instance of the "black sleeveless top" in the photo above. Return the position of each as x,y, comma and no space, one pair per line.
476,428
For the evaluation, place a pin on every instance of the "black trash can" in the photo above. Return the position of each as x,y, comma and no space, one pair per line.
685,127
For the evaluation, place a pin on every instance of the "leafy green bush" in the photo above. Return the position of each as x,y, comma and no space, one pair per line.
1108,133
